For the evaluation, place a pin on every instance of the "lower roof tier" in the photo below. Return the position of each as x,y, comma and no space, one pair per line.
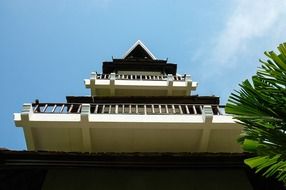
53,159
145,99
58,170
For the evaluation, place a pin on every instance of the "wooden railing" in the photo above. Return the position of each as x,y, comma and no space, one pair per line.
127,108
140,77
56,107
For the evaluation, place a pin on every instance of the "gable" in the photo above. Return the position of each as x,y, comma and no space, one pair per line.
139,51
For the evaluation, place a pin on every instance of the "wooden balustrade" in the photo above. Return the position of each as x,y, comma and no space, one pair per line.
139,77
143,109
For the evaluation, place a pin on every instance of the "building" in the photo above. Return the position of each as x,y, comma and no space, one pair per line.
138,104
141,128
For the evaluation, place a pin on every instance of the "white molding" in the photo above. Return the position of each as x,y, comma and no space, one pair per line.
72,120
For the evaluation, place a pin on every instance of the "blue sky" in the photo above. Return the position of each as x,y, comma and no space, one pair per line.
48,47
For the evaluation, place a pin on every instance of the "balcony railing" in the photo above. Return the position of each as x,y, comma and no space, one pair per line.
127,108
140,77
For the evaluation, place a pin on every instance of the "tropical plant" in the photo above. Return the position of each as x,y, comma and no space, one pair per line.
260,106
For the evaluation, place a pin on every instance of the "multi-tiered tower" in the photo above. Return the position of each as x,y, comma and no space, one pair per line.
138,104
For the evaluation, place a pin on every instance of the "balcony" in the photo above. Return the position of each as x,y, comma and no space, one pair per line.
145,109
94,127
139,85
141,77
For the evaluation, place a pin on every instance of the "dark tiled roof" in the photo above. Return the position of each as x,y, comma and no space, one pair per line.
145,99
62,159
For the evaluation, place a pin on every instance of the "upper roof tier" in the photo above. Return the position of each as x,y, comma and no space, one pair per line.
139,73
139,58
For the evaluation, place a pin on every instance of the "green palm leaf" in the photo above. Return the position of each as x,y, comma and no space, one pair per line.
260,106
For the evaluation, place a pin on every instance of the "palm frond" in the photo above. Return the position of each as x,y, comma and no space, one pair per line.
260,106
